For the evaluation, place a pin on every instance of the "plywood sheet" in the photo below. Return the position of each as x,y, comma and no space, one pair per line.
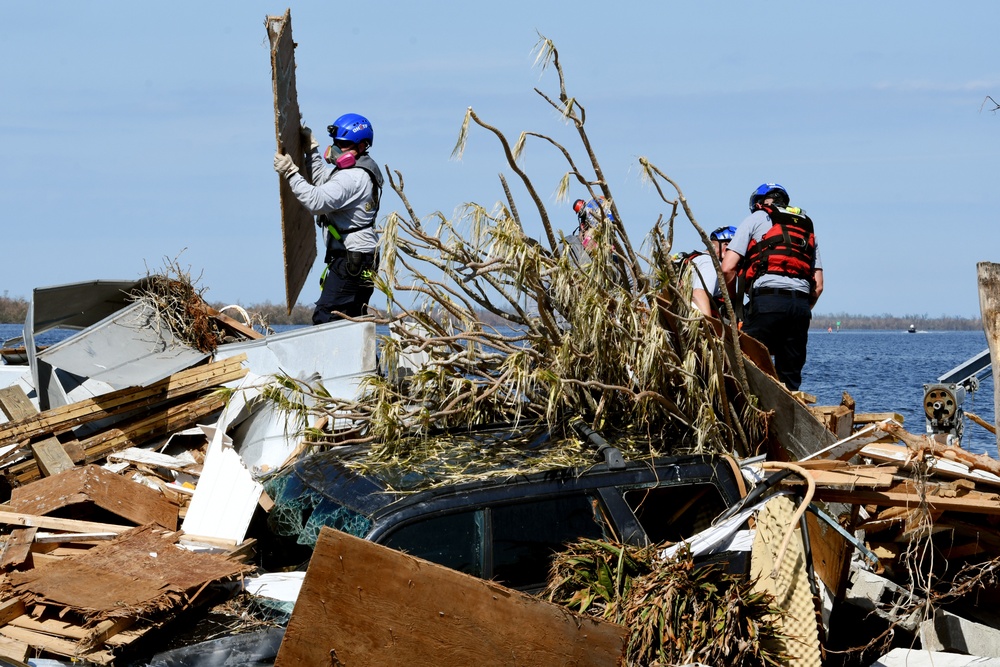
298,229
365,604
94,486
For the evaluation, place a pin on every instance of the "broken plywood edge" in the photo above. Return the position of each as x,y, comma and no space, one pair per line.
92,486
98,594
365,604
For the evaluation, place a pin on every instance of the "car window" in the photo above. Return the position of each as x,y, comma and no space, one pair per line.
452,540
526,535
674,513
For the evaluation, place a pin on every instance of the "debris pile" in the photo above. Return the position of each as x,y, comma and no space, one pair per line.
137,456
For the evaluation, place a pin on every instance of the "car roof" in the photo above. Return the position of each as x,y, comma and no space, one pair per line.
348,476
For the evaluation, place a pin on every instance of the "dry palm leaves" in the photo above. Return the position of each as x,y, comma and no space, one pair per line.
567,339
677,612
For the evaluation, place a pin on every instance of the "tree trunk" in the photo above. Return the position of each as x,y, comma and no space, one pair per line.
989,306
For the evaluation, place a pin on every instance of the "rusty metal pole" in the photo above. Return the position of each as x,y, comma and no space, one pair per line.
989,306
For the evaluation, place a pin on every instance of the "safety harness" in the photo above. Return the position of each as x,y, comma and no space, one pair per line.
788,248
355,260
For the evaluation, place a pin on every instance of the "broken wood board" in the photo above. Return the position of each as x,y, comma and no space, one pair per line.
89,487
905,493
838,419
365,604
129,433
50,456
182,383
947,468
17,548
848,476
298,229
54,523
141,575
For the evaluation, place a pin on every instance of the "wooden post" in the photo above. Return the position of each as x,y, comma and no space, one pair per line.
989,306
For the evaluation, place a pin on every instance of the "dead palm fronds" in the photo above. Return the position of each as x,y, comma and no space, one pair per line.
611,338
677,612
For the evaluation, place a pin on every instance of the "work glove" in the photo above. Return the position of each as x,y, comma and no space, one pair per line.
308,140
283,165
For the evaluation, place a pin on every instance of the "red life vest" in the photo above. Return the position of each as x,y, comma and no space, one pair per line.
788,248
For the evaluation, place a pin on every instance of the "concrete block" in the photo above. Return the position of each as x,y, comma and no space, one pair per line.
885,598
948,632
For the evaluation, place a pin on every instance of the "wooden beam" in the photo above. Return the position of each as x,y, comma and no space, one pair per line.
15,404
989,306
50,456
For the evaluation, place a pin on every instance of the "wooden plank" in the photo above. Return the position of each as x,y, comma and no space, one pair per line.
50,456
829,552
13,649
989,307
15,404
95,487
851,477
11,609
906,494
62,647
838,419
17,548
69,525
132,433
364,604
179,384
118,632
298,228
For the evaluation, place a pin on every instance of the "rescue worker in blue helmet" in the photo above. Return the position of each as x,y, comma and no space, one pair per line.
775,249
343,190
706,292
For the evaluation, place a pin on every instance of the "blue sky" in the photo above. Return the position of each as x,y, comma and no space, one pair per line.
135,134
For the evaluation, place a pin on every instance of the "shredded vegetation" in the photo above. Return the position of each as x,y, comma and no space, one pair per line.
677,612
609,338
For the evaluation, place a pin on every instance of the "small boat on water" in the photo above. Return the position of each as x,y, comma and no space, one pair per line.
913,328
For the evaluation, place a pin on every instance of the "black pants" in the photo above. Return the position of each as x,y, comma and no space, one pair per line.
347,288
781,323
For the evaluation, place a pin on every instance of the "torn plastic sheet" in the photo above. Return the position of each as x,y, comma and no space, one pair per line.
250,649
722,537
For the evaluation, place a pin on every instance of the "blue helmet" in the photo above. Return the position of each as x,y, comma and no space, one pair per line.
352,127
723,234
766,189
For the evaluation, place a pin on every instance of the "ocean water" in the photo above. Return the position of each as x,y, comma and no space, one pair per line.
886,371
883,371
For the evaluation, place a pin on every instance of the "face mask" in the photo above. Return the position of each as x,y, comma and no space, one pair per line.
338,157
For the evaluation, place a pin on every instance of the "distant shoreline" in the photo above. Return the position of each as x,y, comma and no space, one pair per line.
14,310
895,323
